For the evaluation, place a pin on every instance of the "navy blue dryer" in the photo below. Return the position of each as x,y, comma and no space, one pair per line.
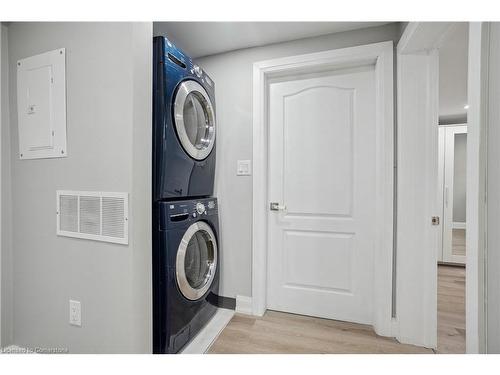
185,271
183,125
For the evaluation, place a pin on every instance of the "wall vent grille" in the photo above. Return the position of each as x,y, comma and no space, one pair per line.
99,216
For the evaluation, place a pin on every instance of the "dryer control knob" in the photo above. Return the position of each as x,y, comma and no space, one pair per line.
200,208
198,71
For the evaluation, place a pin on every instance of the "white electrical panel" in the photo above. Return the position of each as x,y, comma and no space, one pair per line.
41,105
93,215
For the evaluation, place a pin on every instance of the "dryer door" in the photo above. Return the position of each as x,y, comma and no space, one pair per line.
196,262
194,118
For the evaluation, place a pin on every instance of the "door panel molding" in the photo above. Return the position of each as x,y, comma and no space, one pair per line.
379,55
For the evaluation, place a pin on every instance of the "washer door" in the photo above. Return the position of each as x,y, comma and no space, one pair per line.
194,118
196,262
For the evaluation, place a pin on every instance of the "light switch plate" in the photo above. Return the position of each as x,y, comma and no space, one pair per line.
244,168
75,313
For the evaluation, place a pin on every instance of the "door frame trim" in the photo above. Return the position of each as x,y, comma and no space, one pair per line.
381,56
1,134
476,244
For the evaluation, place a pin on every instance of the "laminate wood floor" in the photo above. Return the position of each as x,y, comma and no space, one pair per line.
458,242
278,332
451,309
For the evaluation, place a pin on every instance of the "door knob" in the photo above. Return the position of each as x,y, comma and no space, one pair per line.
275,206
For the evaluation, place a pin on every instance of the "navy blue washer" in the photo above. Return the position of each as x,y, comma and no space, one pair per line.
180,273
181,170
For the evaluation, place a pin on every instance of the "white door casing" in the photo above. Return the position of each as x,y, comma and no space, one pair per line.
380,57
322,168
478,115
1,133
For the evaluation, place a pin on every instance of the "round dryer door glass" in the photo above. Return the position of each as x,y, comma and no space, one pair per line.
194,118
196,261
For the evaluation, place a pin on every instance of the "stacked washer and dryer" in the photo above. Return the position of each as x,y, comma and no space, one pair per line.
185,215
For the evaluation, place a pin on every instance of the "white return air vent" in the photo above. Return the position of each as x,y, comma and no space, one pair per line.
93,215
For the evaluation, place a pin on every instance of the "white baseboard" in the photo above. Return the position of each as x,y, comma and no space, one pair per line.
244,305
459,225
394,327
207,336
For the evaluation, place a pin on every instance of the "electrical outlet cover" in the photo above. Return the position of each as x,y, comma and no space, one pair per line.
75,313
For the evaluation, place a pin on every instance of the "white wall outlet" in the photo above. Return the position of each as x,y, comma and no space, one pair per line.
244,168
75,313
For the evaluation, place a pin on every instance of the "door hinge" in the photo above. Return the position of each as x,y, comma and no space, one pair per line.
435,220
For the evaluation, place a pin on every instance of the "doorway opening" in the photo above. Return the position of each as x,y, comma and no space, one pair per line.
452,182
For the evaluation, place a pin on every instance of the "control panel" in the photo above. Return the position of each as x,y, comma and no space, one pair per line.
178,57
193,209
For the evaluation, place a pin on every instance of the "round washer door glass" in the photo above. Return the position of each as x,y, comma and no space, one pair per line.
194,118
196,261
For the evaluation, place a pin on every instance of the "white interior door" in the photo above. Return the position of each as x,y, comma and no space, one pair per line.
322,177
454,194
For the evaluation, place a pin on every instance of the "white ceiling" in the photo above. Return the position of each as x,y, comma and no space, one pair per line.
208,38
453,56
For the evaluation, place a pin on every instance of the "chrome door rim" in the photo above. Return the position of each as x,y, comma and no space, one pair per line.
186,289
186,88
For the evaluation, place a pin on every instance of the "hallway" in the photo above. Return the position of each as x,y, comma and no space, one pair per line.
281,333
278,332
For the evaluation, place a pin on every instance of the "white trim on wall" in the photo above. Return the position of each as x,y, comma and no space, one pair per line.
1,135
477,118
381,55
244,305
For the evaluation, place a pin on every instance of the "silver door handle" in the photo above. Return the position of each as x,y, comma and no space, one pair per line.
446,192
275,206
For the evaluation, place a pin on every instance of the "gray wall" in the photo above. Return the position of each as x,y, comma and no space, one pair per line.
108,71
232,73
453,65
6,223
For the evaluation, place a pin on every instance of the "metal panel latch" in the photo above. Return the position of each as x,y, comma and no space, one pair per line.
435,220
